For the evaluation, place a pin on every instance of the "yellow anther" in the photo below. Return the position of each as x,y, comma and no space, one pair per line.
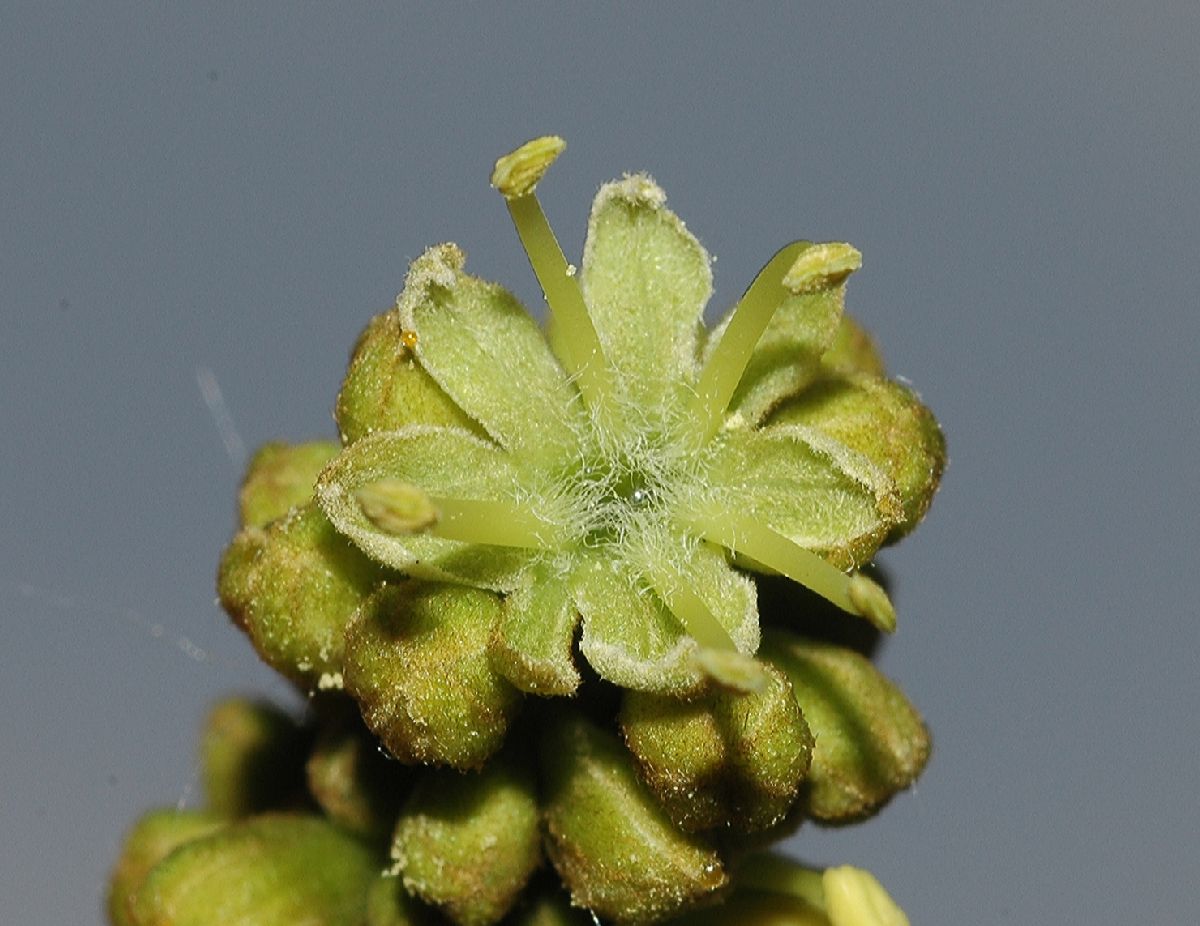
516,174
408,338
822,266
872,602
397,507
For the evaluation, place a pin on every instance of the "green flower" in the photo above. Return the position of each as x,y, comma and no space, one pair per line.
619,475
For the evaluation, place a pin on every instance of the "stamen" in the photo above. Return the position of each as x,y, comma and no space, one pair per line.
396,507
856,595
691,610
798,268
515,176
399,507
732,670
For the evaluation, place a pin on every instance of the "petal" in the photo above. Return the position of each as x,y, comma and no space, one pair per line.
646,280
385,388
788,355
885,422
629,635
533,640
818,493
441,461
488,354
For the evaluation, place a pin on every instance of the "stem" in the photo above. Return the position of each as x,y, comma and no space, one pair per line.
401,508
745,534
585,358
726,364
691,610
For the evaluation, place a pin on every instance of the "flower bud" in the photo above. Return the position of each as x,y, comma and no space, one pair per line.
612,844
724,759
468,843
385,388
887,423
389,904
357,787
251,758
853,351
292,587
417,662
149,842
279,478
870,741
273,870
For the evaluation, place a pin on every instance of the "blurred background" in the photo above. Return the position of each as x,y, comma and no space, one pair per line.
202,204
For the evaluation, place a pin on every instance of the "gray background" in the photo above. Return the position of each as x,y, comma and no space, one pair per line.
219,194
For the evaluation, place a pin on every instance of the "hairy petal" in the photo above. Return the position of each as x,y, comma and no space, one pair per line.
646,280
817,492
630,636
442,462
485,350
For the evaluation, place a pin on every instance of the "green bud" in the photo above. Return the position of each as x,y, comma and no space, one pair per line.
385,388
154,837
417,663
870,741
279,478
545,904
251,758
468,843
613,845
356,786
274,870
853,351
724,759
886,422
389,904
292,587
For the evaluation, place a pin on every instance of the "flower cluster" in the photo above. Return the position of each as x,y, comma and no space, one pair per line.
606,568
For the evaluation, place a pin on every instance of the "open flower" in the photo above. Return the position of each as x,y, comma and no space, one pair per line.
618,475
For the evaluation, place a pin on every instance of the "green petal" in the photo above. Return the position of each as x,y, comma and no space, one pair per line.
646,280
488,354
532,645
885,422
292,587
469,843
870,740
442,462
275,870
417,663
630,637
815,491
788,355
385,388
